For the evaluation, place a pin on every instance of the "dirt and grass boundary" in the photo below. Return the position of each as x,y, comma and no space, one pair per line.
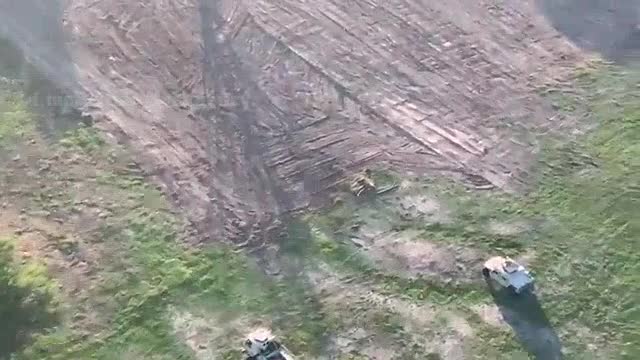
115,250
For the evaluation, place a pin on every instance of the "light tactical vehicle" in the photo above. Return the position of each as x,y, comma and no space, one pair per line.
262,345
508,274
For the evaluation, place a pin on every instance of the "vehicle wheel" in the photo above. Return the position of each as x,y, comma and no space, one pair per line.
485,272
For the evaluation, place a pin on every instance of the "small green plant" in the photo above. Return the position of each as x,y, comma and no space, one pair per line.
85,139
15,119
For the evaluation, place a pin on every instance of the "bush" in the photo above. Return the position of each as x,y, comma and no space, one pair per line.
27,301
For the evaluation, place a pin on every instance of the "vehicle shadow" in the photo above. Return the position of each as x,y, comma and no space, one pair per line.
525,316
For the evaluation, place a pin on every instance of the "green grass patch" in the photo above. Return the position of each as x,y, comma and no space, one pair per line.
157,272
589,252
582,222
29,300
584,209
144,269
83,139
333,248
15,119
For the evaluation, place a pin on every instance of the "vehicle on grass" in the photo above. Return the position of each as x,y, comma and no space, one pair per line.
262,345
508,274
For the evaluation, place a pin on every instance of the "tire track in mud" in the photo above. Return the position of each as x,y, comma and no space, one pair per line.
235,113
441,108
299,95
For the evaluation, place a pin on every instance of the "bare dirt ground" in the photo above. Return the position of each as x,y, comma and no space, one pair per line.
433,329
246,110
406,252
206,334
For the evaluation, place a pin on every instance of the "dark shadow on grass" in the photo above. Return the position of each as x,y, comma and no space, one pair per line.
525,316
611,28
296,308
25,310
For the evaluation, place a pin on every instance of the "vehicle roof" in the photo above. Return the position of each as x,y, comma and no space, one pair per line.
261,335
519,279
510,268
496,263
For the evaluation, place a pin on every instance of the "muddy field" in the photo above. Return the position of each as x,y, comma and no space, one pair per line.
132,130
248,110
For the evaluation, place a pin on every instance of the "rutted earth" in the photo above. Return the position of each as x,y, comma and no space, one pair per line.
234,108
244,111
